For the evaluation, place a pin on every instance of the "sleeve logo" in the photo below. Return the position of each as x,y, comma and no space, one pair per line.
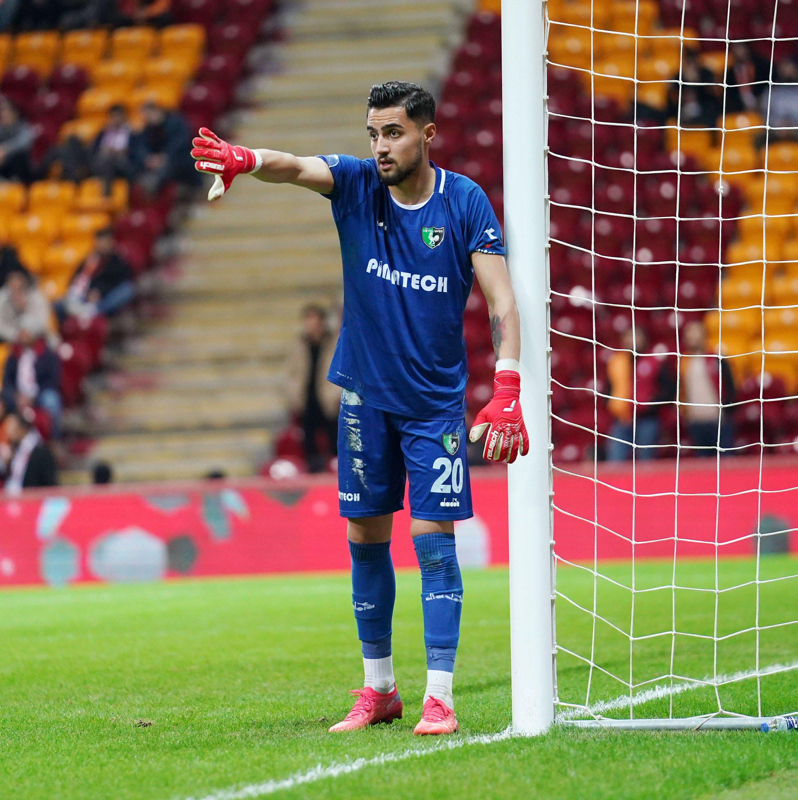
432,237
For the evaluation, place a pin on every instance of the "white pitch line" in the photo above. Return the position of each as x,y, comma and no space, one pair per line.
658,692
345,767
337,769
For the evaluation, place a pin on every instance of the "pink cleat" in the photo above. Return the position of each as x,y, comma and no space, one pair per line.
371,708
436,718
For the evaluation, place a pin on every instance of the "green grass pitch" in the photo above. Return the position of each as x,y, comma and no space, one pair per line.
241,678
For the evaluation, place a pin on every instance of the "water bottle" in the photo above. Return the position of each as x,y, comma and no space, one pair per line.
780,724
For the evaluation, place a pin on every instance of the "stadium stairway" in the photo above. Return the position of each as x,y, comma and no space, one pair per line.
200,389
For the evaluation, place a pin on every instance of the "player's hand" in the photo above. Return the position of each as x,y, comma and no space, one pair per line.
224,161
503,420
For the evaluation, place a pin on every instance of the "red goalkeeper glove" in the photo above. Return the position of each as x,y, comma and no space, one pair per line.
503,420
224,161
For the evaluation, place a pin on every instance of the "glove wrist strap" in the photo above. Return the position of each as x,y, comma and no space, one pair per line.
258,161
507,364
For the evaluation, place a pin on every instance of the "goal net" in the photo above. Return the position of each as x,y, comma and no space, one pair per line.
673,249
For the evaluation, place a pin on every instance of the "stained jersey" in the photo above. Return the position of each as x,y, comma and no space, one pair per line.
407,276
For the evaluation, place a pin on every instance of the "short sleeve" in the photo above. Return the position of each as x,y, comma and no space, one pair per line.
350,176
484,232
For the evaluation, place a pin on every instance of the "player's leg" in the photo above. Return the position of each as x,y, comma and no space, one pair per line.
440,493
370,488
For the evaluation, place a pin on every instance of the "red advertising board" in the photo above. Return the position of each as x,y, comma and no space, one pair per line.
143,532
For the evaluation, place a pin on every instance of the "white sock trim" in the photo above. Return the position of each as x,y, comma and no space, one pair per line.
439,686
379,674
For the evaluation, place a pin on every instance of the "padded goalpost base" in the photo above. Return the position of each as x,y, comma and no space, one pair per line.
685,724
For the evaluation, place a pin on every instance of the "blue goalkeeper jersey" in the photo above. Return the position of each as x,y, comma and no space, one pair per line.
407,276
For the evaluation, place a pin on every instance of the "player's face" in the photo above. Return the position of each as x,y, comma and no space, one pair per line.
398,143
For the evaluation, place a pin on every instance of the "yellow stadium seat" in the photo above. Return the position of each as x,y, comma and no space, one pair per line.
30,253
51,195
608,45
693,141
653,94
784,290
747,255
781,357
166,95
716,62
6,50
63,259
5,223
184,39
670,43
38,50
783,157
136,42
13,197
773,231
789,255
85,128
39,227
778,320
491,6
117,74
738,293
658,67
95,102
92,199
634,17
84,48
737,163
167,69
782,191
740,130
83,226
733,323
570,46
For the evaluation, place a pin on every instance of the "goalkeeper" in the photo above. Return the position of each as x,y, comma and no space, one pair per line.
413,236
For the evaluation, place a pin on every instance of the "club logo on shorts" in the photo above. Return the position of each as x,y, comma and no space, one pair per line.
451,441
432,236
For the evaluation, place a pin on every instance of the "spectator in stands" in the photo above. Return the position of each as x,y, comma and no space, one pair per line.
695,101
102,473
638,385
22,303
31,379
746,78
8,13
102,284
706,388
16,142
782,116
162,151
9,262
38,15
67,160
89,14
145,12
310,395
112,158
25,461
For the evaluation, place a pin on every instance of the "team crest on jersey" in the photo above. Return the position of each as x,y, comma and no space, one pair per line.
432,236
451,441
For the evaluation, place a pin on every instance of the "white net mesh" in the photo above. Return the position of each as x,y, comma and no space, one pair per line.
673,152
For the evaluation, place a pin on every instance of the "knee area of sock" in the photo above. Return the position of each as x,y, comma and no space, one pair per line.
363,553
433,548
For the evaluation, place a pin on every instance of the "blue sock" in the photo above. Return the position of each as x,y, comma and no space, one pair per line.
441,597
373,596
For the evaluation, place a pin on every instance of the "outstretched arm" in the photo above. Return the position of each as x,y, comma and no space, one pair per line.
224,161
502,417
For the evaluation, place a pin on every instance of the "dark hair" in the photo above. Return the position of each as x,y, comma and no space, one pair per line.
102,472
417,102
314,308
118,108
106,231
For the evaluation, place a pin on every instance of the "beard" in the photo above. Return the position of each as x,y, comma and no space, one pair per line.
399,174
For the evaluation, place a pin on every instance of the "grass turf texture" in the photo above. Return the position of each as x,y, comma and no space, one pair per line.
241,678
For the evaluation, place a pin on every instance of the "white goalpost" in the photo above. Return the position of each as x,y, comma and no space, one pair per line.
651,199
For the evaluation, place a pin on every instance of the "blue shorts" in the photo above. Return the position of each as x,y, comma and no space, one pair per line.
377,448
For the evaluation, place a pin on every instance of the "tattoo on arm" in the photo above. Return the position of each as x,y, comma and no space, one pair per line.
496,333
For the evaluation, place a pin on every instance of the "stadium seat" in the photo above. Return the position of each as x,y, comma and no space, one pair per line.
693,141
741,130
85,128
6,51
91,197
784,290
38,50
716,62
166,95
168,69
783,156
569,46
20,85
83,226
51,107
51,196
13,198
638,17
31,252
136,43
199,12
184,42
40,227
118,74
95,102
61,260
68,80
84,48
